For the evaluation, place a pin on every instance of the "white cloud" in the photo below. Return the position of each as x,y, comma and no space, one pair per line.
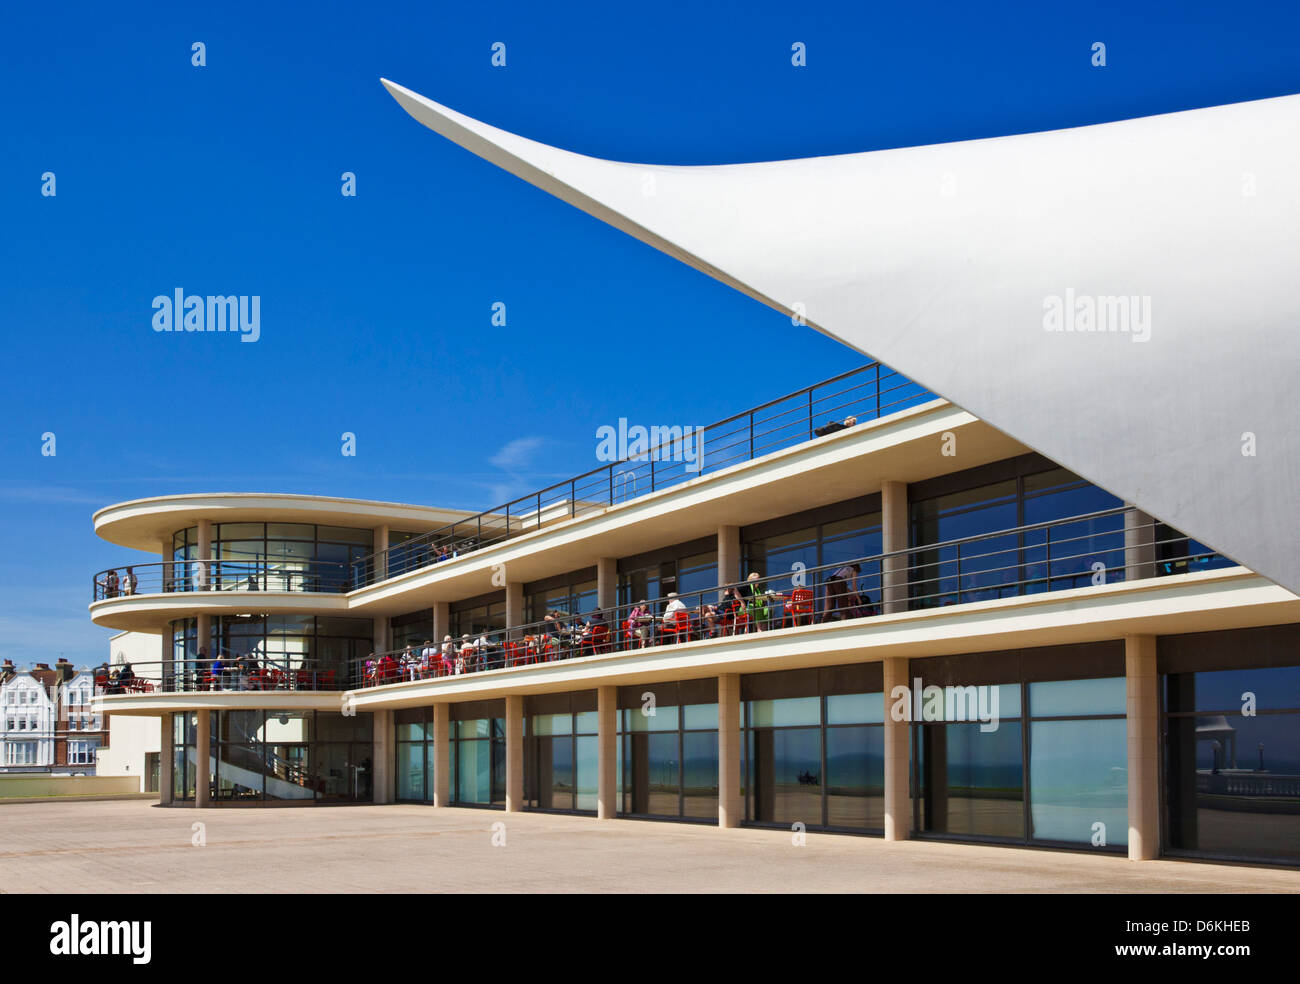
517,453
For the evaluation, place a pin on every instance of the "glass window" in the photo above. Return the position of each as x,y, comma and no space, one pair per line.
1078,779
1073,698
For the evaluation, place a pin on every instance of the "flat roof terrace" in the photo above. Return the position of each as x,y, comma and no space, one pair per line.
413,848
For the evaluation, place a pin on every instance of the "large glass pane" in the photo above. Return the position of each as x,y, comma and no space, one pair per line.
786,776
785,712
555,778
649,717
588,771
411,783
700,773
652,774
855,709
1069,698
1269,688
974,780
1078,778
855,777
474,770
1233,785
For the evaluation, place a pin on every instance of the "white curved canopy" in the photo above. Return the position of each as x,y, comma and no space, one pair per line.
946,262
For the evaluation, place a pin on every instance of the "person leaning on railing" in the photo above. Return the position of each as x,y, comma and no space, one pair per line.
841,593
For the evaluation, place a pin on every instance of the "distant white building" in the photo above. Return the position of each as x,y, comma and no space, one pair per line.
28,723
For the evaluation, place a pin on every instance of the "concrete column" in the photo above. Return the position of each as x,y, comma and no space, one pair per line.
166,571
441,622
731,807
1143,707
202,641
441,755
898,801
167,668
206,575
382,758
514,753
514,605
729,554
381,558
893,536
607,753
606,582
381,634
1139,545
166,757
203,757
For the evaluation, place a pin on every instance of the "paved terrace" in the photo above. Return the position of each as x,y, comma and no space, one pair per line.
135,846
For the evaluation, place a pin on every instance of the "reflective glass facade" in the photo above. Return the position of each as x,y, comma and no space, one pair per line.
327,645
814,748
668,750
1232,744
1005,752
560,752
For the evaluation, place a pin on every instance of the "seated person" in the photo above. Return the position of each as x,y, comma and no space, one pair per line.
671,609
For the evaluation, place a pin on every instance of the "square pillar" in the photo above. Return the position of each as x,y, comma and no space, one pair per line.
1143,709
441,754
893,536
514,605
441,623
165,569
166,759
607,753
382,758
203,643
606,582
1139,545
898,800
203,759
380,630
381,553
728,554
203,574
731,806
514,753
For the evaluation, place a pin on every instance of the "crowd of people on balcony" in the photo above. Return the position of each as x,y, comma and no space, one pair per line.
750,606
113,586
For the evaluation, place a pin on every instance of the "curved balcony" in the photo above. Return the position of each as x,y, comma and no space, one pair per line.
222,575
243,674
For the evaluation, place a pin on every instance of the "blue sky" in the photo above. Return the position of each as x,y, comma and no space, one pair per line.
225,179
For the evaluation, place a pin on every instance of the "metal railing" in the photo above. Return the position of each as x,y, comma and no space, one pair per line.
254,673
1077,551
1103,547
867,393
223,575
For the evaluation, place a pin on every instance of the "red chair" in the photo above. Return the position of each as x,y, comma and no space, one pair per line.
799,606
680,630
599,639
738,623
327,680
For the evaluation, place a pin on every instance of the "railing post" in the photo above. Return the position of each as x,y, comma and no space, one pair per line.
751,435
810,414
573,497
877,390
